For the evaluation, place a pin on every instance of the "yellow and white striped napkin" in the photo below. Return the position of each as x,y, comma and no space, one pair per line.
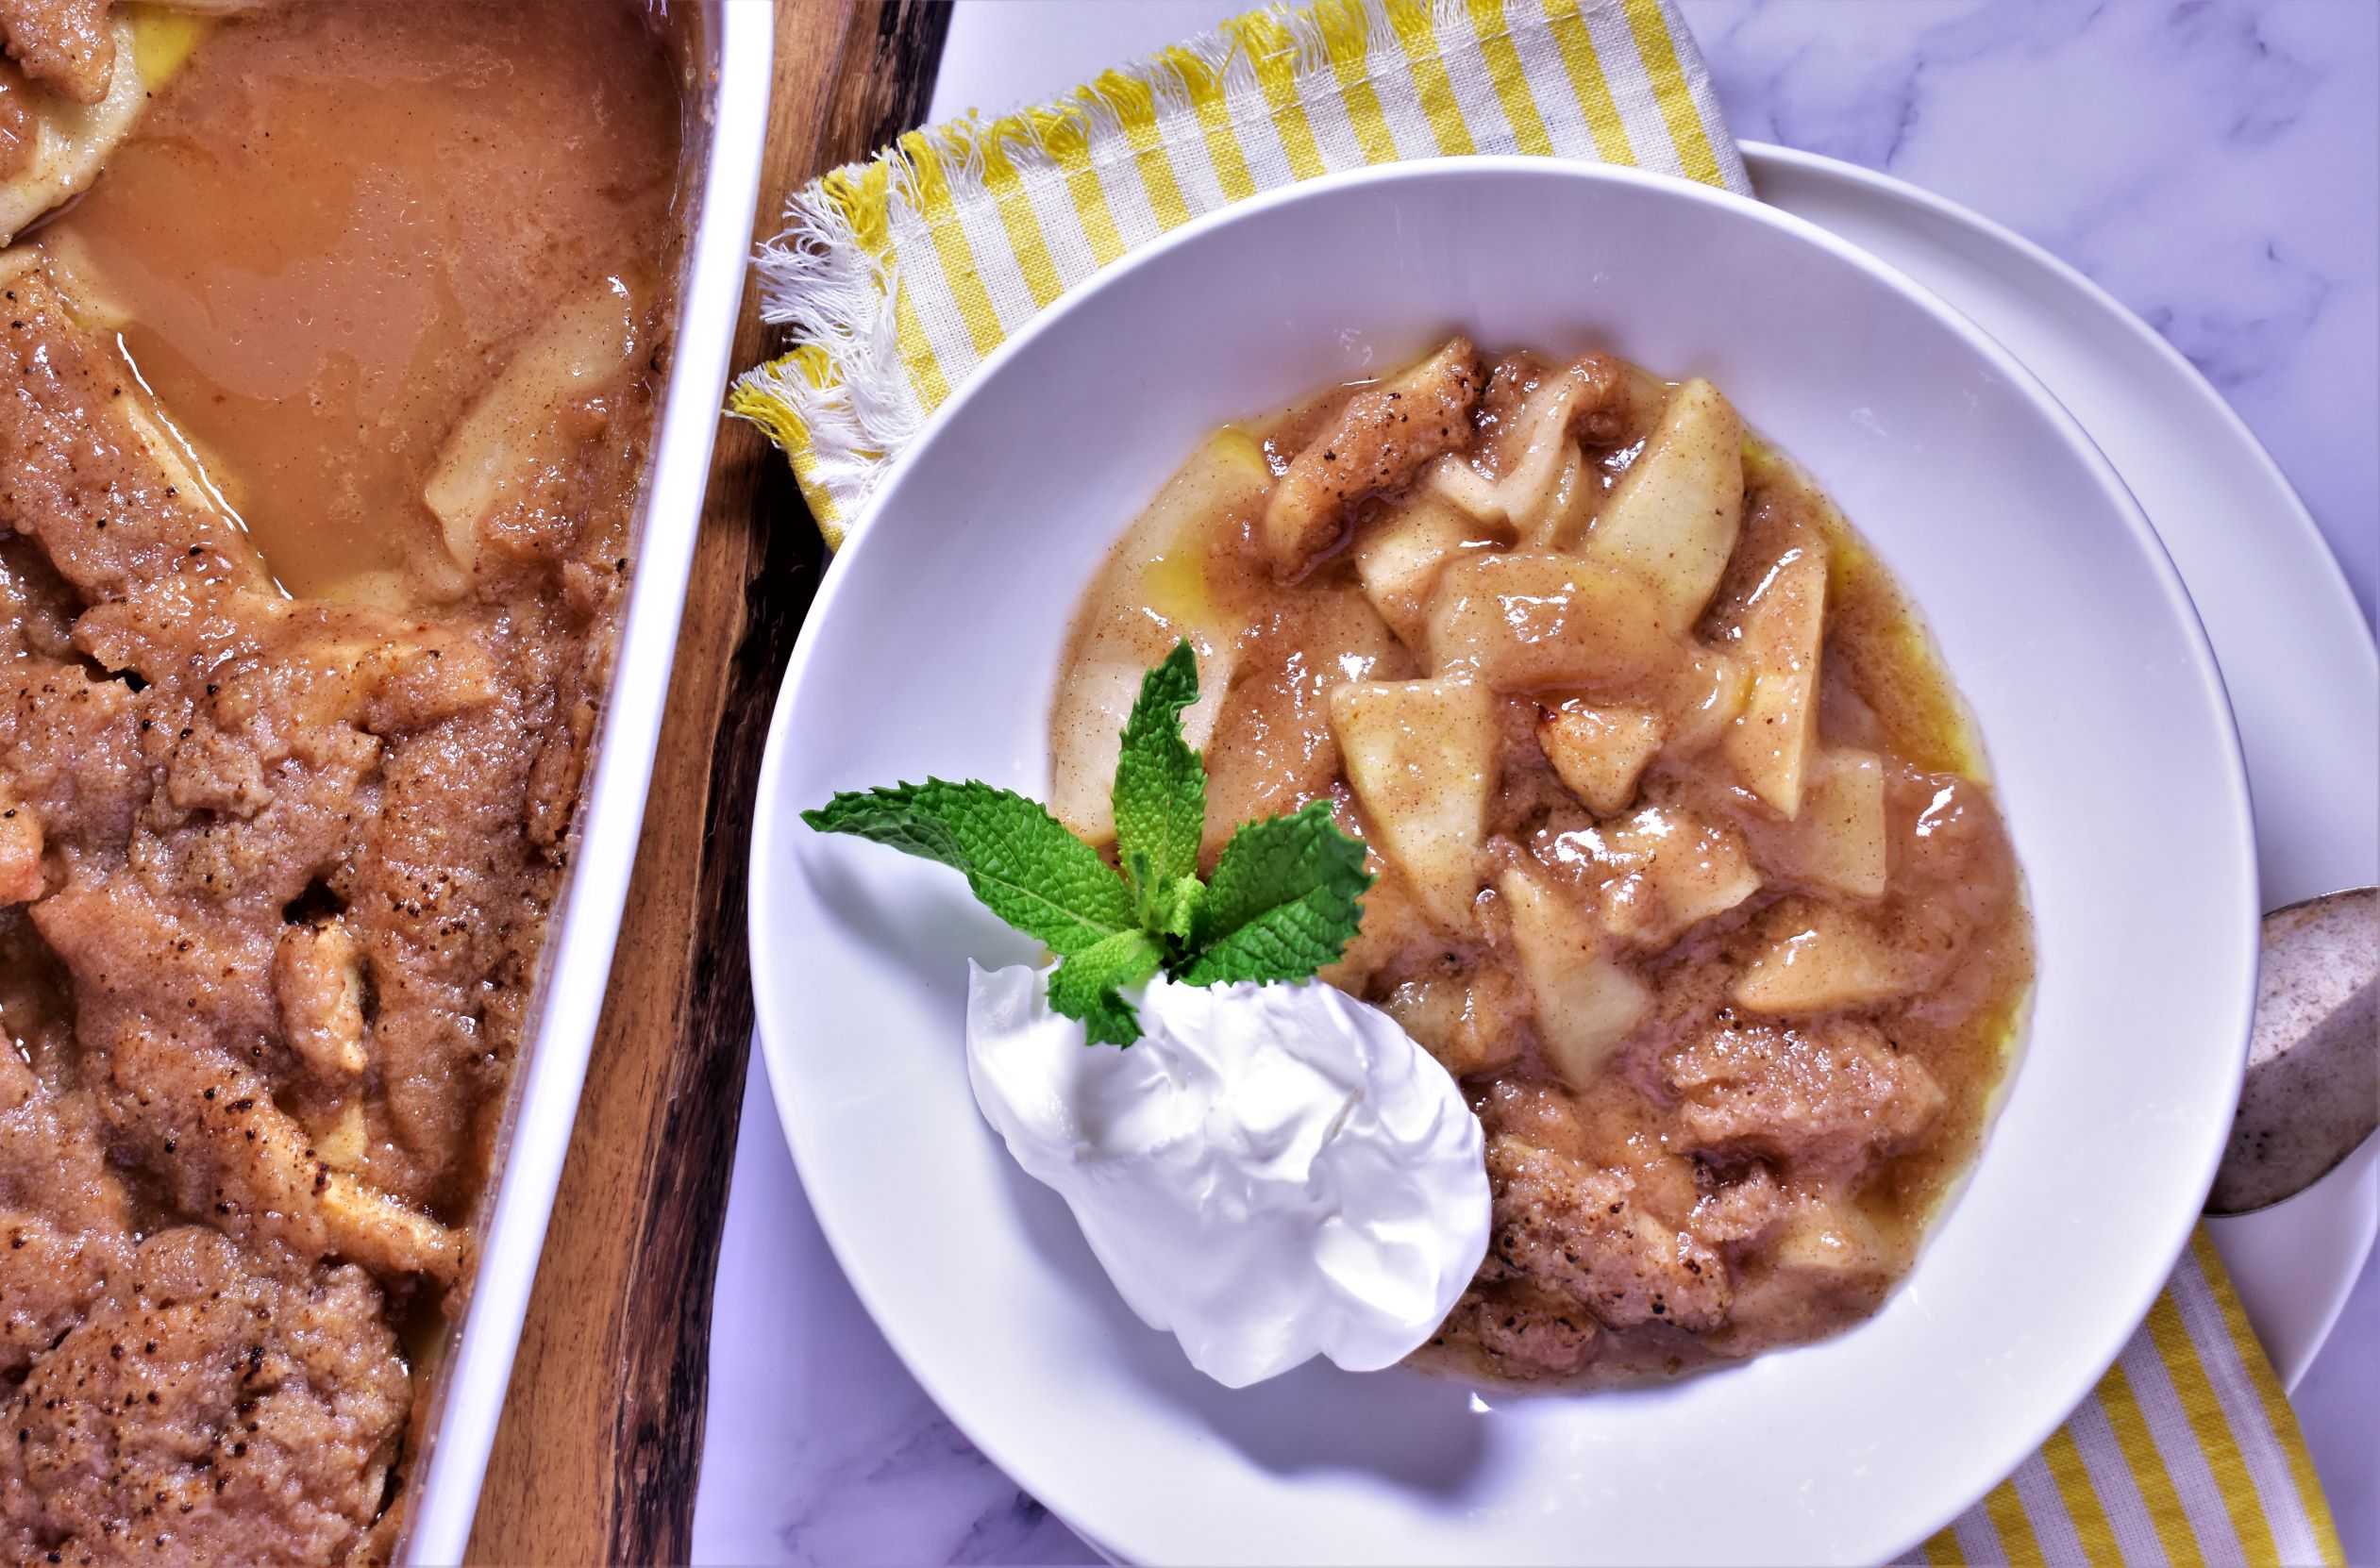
898,276
2187,1453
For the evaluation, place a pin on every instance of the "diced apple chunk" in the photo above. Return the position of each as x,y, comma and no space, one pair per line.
1400,558
1680,872
347,1138
1532,622
1825,1259
1586,999
1600,753
1705,698
1825,1245
1782,627
1420,755
318,981
384,1232
1466,1022
21,844
1830,1238
1838,840
1675,513
1821,956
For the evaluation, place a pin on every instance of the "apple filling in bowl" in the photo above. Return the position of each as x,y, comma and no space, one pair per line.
1687,866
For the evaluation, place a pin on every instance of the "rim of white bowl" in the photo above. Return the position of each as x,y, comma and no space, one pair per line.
769,820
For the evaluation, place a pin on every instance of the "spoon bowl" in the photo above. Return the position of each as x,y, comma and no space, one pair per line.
2312,1092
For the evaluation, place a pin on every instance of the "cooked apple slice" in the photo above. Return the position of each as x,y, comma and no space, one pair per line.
1545,494
524,426
1705,697
343,1137
1421,755
1120,642
1569,511
1086,725
1400,558
1600,753
1838,838
375,588
1382,439
1273,749
1821,956
1586,999
1393,924
1168,546
1531,621
1674,515
1679,871
318,981
66,142
1781,626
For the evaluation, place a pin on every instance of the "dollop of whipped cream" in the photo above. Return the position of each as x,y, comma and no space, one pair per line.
1272,1171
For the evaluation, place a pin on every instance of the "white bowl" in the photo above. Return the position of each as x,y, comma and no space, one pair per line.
933,648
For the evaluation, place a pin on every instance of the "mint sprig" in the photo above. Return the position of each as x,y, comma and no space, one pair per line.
1284,902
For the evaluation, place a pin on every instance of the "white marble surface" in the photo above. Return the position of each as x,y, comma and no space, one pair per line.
2215,166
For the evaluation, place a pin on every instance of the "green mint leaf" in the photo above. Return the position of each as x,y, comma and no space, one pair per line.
1020,860
1283,901
1084,987
1165,905
1140,874
1180,909
1161,787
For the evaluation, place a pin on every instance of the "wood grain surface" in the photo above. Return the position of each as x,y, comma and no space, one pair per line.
602,1441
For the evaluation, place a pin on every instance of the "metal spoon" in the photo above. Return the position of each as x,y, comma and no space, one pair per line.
2312,1093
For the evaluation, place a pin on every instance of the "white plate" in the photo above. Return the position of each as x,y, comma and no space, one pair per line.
933,648
2296,656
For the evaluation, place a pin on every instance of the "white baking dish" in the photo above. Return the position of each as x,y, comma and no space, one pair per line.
726,121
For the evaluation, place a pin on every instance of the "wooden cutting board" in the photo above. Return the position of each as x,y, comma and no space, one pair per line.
602,1441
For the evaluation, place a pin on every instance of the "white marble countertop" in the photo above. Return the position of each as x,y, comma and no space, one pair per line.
2215,166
